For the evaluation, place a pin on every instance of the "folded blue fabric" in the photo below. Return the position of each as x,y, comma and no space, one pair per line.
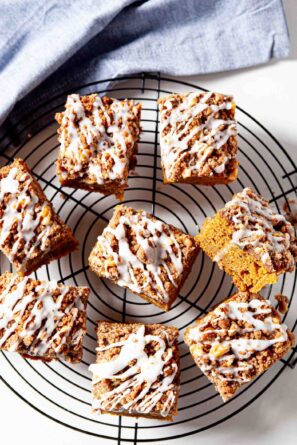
55,45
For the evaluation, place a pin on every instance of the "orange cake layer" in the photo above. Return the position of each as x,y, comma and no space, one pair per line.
249,241
246,271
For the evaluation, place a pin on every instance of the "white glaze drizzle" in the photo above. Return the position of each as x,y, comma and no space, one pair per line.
254,228
43,320
239,349
147,374
175,144
24,210
110,142
157,246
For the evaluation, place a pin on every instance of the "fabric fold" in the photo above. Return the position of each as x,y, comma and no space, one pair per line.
60,44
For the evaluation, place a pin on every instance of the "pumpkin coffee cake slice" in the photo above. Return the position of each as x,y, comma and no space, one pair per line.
99,138
198,138
31,232
249,241
137,371
237,341
42,319
139,252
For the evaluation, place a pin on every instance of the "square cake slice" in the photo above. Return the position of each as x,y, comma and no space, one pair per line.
249,241
137,370
141,253
198,138
42,320
237,341
31,233
99,138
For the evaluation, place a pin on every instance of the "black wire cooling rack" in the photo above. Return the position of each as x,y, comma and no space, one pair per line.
62,392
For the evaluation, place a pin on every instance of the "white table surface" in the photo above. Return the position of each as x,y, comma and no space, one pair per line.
269,93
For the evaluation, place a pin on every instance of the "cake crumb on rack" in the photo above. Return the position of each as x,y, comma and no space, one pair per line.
283,303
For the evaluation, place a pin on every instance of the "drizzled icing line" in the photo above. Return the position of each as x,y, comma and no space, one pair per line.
23,210
84,137
41,325
158,243
228,358
255,229
178,132
146,375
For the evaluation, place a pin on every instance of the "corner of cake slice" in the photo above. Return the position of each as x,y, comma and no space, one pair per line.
237,341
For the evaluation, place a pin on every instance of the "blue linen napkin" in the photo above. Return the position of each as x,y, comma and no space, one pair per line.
47,46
